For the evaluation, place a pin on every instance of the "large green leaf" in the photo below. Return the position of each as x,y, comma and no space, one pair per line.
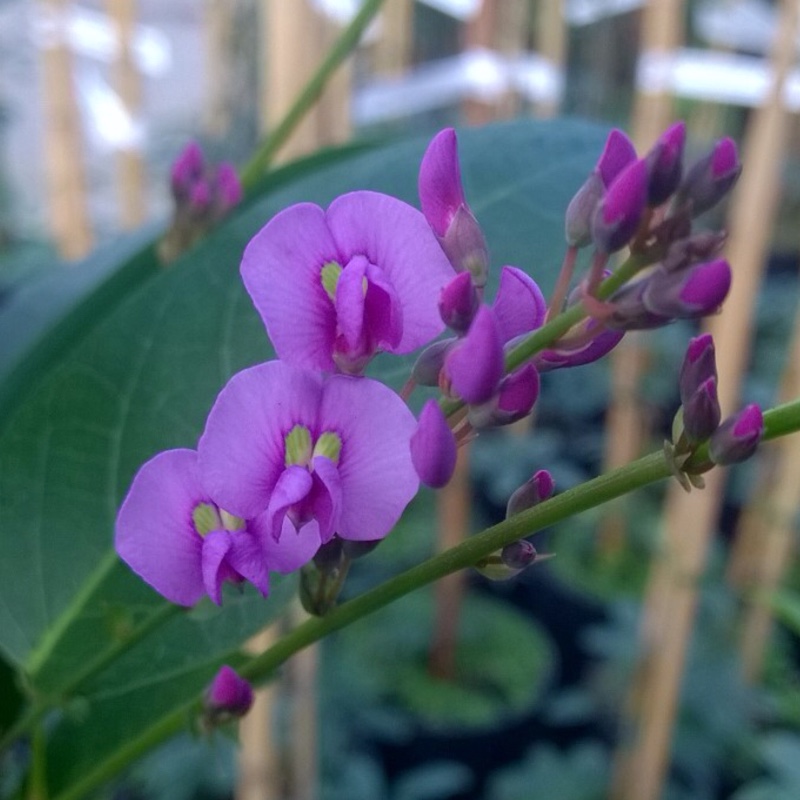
142,379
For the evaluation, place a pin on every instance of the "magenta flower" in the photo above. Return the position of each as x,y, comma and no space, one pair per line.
617,216
174,535
737,437
665,164
308,456
335,287
433,447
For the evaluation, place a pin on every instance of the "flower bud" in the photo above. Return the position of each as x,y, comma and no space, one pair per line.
617,216
475,365
617,154
699,364
690,250
601,345
458,303
535,490
710,178
515,400
228,697
580,211
187,168
701,411
229,188
200,196
665,164
737,437
430,362
433,447
630,312
508,562
689,294
355,549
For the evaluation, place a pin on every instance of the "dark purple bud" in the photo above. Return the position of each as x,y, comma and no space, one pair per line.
690,294
737,437
474,365
433,447
685,252
618,215
630,312
665,164
430,362
187,168
229,188
617,154
699,364
228,696
580,211
701,412
459,302
515,400
200,196
535,490
601,345
518,555
710,178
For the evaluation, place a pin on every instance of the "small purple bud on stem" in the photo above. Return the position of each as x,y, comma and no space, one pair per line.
518,555
617,154
699,364
228,697
665,164
229,187
710,178
433,447
475,365
701,411
580,211
534,491
517,395
689,294
187,168
617,216
737,437
458,303
430,362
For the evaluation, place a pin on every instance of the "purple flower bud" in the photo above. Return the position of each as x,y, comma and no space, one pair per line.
665,164
515,400
711,178
690,250
430,362
518,555
475,364
187,168
737,437
444,205
630,312
458,303
433,447
580,211
617,154
601,345
200,196
229,188
699,364
617,216
691,293
535,490
228,696
701,412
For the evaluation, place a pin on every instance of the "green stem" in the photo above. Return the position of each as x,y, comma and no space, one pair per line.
341,49
651,468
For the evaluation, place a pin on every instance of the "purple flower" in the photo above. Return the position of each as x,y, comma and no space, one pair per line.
334,287
617,154
176,537
229,695
701,411
309,456
665,164
711,178
519,305
699,364
433,447
690,293
444,205
603,342
618,214
458,303
228,186
737,437
187,169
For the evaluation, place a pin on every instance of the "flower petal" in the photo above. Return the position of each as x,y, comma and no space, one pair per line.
293,486
216,570
241,451
395,237
350,301
247,558
440,189
154,534
281,269
326,499
378,479
519,306
293,549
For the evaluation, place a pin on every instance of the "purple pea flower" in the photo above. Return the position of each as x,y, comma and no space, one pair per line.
228,187
335,287
519,305
433,447
444,205
458,303
175,536
228,696
737,437
309,456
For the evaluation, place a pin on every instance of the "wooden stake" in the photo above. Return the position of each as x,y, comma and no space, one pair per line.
130,167
69,216
219,32
690,518
392,54
551,42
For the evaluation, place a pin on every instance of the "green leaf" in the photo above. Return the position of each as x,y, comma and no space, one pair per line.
139,375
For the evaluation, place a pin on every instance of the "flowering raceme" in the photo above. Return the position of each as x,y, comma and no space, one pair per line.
336,286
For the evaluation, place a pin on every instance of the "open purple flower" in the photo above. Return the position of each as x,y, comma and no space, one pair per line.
177,538
334,287
309,456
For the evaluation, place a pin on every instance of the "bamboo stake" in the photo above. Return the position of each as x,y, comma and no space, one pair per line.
333,114
626,425
392,54
551,42
672,594
259,767
130,167
69,217
219,32
769,527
